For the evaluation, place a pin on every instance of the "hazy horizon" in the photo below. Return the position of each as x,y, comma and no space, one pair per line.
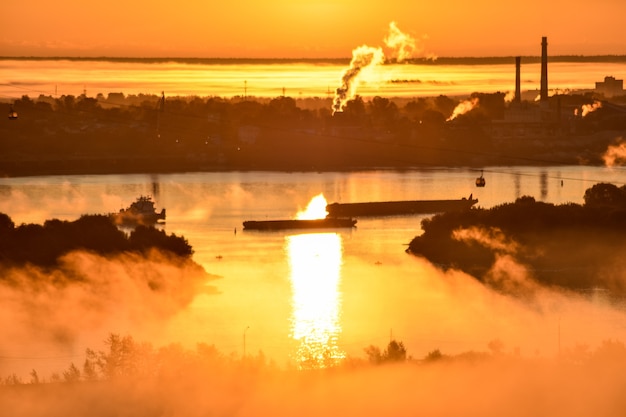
487,59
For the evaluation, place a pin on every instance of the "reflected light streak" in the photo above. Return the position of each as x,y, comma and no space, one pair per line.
315,264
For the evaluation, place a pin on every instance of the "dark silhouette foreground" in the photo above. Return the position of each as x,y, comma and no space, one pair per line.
152,134
44,245
578,247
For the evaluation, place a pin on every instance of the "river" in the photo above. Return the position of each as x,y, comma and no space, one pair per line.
288,294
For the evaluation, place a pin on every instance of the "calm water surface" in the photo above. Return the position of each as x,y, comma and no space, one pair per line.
335,292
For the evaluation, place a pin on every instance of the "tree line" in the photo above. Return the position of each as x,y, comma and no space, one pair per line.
571,246
148,133
125,359
43,245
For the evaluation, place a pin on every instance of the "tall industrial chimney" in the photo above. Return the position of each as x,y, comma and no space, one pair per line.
518,92
543,93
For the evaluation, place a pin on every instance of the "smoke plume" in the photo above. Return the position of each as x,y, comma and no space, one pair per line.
588,108
463,107
510,95
362,57
403,45
366,57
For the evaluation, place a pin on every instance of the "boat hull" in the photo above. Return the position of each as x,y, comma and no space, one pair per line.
397,208
140,212
327,223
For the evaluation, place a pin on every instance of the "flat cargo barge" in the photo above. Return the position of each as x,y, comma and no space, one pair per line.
398,208
327,223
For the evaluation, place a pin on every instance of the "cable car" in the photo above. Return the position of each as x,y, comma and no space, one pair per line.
12,114
480,181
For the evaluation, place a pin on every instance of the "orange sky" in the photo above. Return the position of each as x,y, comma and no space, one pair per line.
306,28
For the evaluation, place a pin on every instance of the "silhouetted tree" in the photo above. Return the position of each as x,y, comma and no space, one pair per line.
34,377
72,374
121,359
146,237
433,356
6,224
374,355
45,244
603,194
395,352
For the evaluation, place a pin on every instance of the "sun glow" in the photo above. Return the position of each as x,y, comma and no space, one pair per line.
315,210
315,263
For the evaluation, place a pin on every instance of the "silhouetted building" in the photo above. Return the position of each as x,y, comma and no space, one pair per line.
610,87
529,119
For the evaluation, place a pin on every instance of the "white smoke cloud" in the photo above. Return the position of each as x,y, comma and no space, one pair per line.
589,108
404,45
365,57
463,107
510,95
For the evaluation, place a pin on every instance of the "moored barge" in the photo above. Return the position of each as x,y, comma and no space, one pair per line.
326,223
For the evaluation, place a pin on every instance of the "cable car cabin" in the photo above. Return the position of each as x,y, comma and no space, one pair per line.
480,181
12,114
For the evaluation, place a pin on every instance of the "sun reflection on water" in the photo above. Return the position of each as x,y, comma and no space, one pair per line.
315,264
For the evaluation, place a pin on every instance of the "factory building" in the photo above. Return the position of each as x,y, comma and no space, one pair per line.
610,87
530,120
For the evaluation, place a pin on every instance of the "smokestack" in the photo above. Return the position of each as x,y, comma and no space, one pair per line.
543,94
518,92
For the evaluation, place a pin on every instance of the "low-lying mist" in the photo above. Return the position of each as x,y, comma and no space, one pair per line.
59,311
540,349
491,385
587,376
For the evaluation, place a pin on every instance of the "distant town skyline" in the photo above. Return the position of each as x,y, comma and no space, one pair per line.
307,29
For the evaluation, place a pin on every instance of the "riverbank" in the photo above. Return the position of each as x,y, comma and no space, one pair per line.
151,134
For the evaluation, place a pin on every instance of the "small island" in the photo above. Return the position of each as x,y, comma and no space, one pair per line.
45,245
515,245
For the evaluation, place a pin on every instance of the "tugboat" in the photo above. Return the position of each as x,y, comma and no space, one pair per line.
140,212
